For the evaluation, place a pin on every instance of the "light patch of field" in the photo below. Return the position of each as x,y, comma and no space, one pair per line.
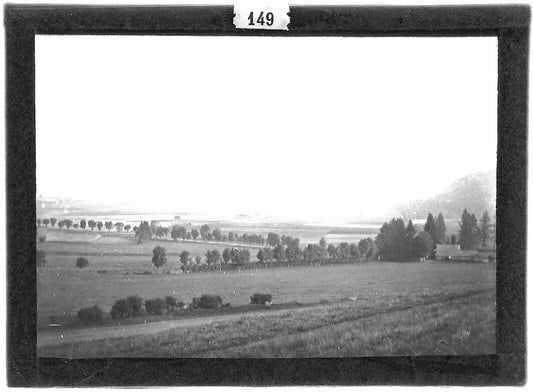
125,246
71,236
116,239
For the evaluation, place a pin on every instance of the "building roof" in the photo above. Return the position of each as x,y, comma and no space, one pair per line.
453,251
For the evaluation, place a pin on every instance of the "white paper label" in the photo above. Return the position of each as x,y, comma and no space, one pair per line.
261,17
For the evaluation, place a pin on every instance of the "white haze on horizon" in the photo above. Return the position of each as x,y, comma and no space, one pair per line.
309,128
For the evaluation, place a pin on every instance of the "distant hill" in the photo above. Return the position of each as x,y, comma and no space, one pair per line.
476,192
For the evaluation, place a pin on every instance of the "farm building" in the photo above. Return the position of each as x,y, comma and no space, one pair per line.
454,252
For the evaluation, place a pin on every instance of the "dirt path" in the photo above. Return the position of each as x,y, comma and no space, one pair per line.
53,338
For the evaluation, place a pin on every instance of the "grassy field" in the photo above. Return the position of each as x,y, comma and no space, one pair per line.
418,324
123,247
376,308
63,289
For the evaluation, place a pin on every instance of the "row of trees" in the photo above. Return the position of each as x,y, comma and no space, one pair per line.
83,224
288,250
289,253
235,256
147,230
46,221
206,234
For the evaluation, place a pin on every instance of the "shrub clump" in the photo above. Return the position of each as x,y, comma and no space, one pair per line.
119,309
135,304
131,306
82,262
91,315
207,302
155,306
261,299
173,304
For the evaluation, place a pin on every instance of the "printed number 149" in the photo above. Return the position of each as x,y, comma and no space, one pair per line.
262,19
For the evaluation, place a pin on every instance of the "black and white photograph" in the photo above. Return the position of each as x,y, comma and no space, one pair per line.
271,195
336,198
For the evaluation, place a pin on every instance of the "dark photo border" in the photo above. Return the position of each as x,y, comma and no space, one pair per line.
510,24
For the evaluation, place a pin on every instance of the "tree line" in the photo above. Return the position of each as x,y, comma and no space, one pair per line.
287,253
235,256
146,231
84,224
397,241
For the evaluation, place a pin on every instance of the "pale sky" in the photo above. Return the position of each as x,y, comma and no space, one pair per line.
302,127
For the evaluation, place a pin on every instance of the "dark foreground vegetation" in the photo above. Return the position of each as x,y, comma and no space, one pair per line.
424,324
134,306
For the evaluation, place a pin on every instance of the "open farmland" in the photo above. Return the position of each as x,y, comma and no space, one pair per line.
372,308
62,292
422,324
114,246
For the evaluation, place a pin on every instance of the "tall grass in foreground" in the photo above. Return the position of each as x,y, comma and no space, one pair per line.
461,323
459,327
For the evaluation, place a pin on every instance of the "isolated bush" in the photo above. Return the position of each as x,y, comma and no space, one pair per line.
261,299
155,306
492,259
207,302
41,238
101,272
159,256
82,262
91,315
